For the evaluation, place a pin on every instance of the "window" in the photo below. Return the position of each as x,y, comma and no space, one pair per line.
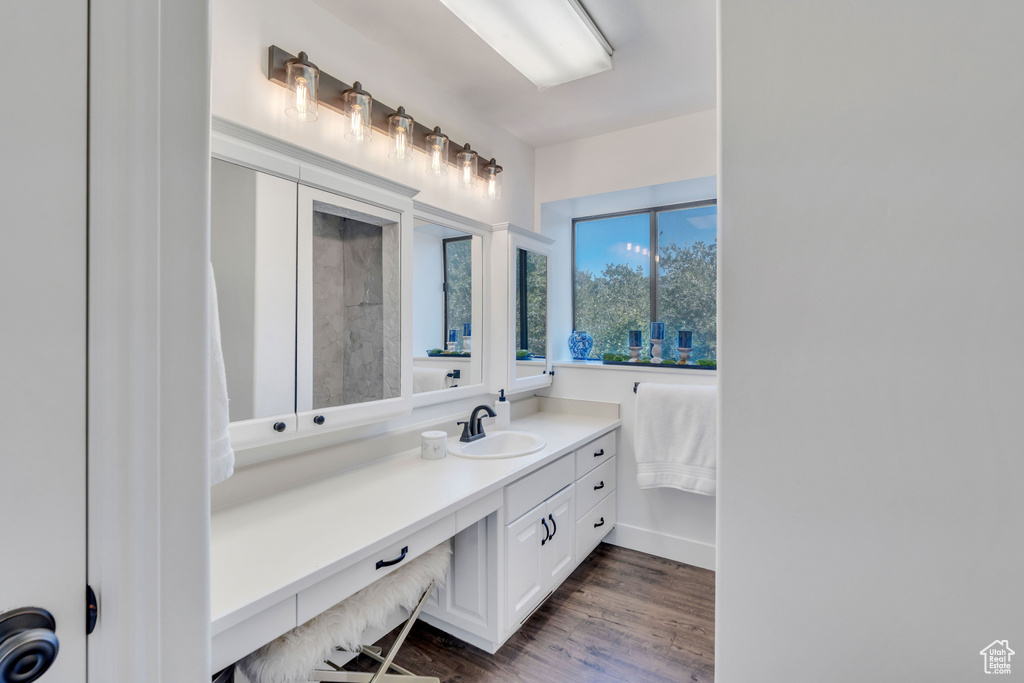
636,267
458,285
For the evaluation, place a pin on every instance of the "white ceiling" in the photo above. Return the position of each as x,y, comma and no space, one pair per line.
664,65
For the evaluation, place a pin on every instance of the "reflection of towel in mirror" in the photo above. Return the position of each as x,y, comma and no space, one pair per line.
675,442
222,457
429,379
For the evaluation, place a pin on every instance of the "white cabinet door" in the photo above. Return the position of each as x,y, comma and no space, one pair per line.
525,584
559,550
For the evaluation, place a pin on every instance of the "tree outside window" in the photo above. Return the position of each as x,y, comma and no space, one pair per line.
656,264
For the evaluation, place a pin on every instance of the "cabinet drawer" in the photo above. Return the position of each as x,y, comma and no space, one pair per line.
533,489
335,588
594,486
236,642
594,453
594,526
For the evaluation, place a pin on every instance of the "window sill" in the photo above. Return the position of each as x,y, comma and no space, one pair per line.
632,367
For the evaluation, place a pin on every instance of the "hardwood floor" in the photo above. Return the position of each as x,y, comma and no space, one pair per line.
621,616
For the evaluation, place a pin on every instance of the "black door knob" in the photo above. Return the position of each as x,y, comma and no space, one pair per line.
28,644
279,426
319,419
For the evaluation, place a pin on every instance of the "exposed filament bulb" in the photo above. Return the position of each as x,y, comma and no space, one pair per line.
301,97
492,187
356,122
435,159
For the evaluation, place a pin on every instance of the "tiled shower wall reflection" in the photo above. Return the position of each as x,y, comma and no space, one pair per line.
356,311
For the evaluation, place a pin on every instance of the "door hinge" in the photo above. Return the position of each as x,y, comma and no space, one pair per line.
92,609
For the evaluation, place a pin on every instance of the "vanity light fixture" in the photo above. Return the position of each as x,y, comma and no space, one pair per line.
467,165
357,105
303,79
437,152
400,129
309,89
492,175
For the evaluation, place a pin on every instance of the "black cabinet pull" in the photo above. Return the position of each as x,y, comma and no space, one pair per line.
599,486
388,563
319,419
547,532
599,453
279,426
554,527
601,523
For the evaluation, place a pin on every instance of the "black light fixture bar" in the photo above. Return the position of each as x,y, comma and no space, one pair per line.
330,97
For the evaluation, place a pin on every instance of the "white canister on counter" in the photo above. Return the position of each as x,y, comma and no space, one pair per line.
434,445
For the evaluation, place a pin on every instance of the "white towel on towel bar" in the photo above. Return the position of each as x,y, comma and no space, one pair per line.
675,442
222,456
429,379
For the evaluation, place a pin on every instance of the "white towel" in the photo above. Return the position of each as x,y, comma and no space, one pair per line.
675,440
429,379
222,457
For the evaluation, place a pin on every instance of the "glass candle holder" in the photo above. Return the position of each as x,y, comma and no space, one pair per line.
467,338
453,338
658,331
635,338
685,339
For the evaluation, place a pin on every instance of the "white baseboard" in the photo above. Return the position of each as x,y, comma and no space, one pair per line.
656,543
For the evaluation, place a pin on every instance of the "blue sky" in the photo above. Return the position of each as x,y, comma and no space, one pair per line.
624,239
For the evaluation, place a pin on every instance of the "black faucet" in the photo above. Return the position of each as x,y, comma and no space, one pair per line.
474,429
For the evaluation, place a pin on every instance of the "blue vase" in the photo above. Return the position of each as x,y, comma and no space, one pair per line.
580,344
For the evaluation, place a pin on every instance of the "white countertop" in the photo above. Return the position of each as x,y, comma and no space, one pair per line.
265,550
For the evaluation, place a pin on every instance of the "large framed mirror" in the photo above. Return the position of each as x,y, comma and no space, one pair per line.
526,349
252,249
448,328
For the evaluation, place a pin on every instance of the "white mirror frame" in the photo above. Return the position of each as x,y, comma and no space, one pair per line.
336,417
481,232
506,241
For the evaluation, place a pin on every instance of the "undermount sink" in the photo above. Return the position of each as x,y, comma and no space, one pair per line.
498,445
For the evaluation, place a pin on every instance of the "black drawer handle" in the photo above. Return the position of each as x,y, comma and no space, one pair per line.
599,453
554,527
547,531
279,426
601,523
388,563
319,419
599,486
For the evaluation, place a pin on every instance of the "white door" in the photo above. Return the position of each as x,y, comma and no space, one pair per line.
525,584
558,551
43,338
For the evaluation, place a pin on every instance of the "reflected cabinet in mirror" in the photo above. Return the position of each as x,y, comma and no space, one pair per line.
531,314
447,299
252,248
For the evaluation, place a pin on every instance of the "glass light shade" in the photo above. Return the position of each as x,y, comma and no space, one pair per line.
492,178
467,161
303,79
357,105
437,152
400,128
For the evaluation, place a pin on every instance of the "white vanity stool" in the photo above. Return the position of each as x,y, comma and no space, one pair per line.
301,654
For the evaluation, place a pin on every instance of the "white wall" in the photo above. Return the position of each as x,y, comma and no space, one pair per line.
428,298
243,30
870,501
675,149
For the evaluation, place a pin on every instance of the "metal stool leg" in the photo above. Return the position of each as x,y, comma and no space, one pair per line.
386,662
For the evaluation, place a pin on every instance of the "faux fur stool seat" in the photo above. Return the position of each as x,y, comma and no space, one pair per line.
293,657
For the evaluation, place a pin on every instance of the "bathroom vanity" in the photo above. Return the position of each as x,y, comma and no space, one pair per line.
519,527
344,303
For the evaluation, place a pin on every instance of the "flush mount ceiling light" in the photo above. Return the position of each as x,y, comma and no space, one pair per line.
548,41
